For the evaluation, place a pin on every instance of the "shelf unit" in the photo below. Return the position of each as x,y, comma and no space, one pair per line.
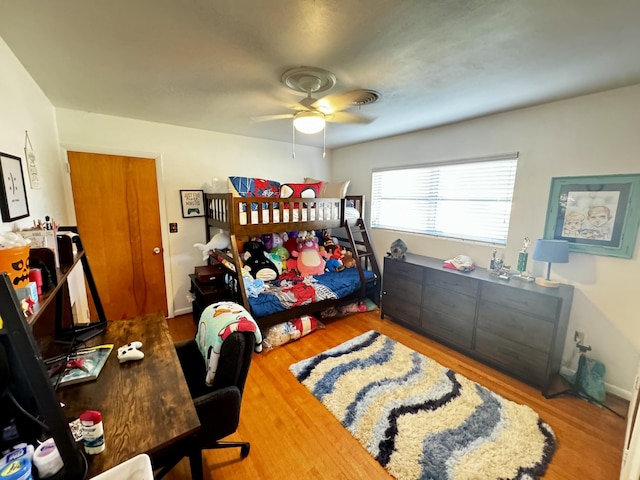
29,375
30,378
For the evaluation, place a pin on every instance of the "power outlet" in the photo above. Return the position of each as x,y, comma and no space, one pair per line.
578,337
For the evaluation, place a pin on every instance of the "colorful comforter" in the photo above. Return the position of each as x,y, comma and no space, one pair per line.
285,294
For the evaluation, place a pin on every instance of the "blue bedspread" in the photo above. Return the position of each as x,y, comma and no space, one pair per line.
285,294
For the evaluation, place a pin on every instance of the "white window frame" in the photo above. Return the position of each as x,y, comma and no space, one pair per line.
468,200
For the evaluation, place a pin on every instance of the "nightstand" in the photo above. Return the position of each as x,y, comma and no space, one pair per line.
205,294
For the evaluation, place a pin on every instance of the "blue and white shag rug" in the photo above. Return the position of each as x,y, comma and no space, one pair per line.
421,420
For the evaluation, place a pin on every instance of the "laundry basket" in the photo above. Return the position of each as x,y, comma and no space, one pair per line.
136,468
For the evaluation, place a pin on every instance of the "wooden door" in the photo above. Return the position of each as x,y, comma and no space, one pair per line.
116,204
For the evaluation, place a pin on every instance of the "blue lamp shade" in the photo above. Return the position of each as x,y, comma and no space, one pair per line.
551,251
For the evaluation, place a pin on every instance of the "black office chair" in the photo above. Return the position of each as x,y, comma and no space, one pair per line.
218,406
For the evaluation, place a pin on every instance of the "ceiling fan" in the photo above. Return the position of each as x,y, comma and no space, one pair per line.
311,113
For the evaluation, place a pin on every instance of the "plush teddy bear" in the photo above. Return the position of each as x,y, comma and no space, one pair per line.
347,260
256,258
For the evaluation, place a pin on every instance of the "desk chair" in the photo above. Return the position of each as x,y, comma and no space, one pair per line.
218,406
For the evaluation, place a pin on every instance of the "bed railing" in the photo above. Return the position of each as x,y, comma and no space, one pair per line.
251,216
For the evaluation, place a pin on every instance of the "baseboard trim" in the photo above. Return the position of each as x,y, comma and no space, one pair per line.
612,389
183,311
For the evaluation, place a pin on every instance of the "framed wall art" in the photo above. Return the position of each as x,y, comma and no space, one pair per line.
595,214
13,194
192,203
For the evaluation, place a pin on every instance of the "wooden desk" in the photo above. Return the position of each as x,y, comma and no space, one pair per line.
146,406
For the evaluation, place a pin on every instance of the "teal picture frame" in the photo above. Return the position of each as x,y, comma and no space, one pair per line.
598,214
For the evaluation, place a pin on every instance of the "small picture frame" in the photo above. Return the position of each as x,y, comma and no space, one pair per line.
192,203
599,215
13,193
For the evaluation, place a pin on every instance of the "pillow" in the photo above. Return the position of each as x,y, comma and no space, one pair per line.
300,190
253,187
331,189
286,332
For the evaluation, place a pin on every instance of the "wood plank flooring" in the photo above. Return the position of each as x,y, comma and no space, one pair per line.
294,437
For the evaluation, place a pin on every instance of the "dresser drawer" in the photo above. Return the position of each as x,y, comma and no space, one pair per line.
527,363
400,310
451,281
523,301
448,301
514,325
451,329
399,270
404,282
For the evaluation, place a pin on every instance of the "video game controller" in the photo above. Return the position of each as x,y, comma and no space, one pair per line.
130,351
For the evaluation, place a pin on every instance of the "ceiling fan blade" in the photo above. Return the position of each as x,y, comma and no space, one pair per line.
337,101
267,118
346,117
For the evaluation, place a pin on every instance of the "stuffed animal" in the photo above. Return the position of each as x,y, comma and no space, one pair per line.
397,249
334,265
310,262
333,249
276,260
256,258
347,260
291,245
220,241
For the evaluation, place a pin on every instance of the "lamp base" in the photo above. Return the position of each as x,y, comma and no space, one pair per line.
543,282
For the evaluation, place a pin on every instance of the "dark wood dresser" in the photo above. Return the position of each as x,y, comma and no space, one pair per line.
515,326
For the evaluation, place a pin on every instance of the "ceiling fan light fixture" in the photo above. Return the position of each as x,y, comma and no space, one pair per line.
309,122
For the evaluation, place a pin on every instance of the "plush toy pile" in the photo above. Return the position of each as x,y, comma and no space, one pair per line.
278,256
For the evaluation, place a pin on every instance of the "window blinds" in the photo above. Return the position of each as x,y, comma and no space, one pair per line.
468,199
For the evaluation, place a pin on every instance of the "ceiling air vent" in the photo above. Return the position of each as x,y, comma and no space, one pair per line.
366,97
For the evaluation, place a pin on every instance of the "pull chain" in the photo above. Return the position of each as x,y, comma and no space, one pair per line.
324,141
293,133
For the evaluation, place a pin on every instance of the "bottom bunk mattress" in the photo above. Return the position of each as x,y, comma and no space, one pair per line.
285,294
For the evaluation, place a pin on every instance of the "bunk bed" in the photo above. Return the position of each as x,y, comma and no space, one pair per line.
243,218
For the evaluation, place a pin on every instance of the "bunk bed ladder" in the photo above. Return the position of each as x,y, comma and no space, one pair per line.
363,253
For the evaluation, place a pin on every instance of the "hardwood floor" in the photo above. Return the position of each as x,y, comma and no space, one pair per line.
294,437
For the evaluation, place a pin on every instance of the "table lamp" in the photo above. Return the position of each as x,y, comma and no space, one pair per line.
550,251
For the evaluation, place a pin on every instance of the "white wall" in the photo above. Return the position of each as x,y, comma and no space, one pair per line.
25,108
187,159
590,135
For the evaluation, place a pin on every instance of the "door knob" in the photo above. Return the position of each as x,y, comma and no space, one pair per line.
156,250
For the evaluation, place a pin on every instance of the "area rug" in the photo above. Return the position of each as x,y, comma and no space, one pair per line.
421,420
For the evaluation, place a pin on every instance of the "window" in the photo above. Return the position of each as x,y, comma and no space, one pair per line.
469,200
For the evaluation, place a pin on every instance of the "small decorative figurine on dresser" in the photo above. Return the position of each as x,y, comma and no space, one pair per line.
523,256
497,267
397,249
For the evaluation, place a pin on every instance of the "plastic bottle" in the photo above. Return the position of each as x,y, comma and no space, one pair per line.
92,431
47,459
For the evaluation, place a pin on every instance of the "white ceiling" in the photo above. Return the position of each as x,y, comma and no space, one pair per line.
213,64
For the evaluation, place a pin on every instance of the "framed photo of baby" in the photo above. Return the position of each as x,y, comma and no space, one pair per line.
595,214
